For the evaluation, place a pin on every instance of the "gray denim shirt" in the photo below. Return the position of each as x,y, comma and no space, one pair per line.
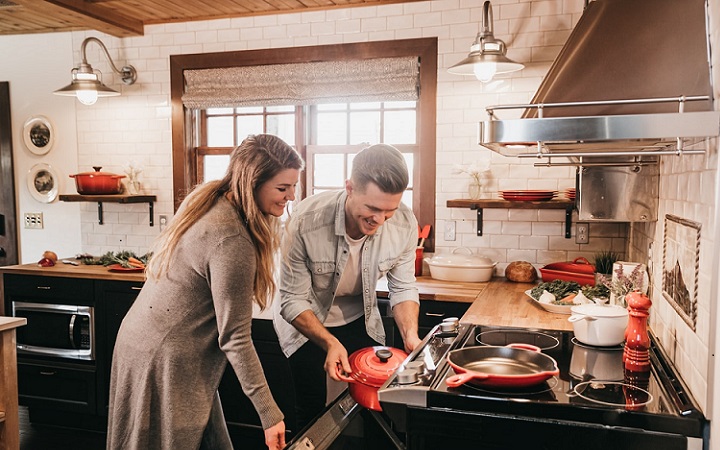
315,253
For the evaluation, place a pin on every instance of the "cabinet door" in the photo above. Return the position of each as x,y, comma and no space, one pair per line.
433,312
56,386
116,299
242,420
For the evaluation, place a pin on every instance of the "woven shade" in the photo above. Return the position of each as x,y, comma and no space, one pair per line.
365,80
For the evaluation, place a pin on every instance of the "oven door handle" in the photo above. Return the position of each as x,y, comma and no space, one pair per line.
71,330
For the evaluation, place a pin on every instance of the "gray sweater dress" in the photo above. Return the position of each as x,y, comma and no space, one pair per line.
174,343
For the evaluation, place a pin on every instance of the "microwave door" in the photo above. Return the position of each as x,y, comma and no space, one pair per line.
64,331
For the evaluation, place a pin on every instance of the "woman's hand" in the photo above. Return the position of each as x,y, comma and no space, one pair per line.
275,436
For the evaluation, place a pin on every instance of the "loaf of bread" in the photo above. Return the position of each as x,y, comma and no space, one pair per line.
521,271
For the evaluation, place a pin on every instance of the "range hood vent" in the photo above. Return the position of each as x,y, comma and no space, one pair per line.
633,79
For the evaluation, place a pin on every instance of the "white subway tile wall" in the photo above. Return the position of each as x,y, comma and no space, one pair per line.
136,126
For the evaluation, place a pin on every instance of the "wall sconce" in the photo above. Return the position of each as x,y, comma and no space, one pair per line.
487,54
86,82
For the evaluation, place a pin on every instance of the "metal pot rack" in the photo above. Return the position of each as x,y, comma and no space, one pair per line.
632,137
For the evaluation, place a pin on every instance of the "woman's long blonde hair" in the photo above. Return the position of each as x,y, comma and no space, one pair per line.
256,160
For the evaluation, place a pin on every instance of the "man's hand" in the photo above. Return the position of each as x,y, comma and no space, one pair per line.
337,364
411,343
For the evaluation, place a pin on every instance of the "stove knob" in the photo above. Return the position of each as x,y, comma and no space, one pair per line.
407,376
449,324
418,366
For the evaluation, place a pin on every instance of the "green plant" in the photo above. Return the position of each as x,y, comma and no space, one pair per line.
604,261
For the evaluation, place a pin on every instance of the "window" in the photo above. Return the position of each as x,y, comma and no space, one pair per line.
327,135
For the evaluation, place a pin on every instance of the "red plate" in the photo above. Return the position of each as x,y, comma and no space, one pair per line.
120,268
528,199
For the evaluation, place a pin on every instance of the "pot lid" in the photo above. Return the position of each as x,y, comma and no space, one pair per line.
596,310
461,260
374,365
97,173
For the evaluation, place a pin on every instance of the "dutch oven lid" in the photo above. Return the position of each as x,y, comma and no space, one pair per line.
596,310
578,265
460,260
374,365
97,173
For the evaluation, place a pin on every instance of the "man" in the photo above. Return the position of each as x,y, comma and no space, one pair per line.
337,246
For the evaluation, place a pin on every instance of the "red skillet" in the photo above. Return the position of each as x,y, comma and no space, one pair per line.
515,365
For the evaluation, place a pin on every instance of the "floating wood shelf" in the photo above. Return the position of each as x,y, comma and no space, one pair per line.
567,205
115,198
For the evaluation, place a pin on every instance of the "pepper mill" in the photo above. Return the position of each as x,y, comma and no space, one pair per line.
637,341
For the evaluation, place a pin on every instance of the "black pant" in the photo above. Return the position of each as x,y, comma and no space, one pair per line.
307,366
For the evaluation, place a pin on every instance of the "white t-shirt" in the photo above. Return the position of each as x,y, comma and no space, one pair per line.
348,301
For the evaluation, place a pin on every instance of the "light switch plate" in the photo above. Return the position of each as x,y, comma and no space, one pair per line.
33,220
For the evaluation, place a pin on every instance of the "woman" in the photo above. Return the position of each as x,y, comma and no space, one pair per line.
194,312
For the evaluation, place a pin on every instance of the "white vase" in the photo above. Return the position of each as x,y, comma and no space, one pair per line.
627,269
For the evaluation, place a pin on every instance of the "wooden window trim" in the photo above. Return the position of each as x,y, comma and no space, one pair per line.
184,164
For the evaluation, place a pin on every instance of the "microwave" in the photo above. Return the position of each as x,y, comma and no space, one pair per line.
63,331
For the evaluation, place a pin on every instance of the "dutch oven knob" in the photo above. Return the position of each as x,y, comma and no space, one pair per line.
97,168
384,354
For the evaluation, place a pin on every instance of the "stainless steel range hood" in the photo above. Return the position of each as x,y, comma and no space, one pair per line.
632,80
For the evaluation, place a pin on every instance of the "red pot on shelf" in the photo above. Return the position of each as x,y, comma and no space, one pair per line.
372,366
98,183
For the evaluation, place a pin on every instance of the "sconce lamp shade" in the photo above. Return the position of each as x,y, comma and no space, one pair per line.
86,82
487,54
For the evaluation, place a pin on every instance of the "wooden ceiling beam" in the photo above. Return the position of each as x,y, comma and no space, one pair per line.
87,15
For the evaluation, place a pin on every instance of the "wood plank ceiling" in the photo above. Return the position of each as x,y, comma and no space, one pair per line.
123,18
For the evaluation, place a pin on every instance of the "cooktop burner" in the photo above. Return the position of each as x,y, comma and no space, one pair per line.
546,387
509,336
613,393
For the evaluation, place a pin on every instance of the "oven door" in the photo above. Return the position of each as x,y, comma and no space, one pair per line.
345,425
64,331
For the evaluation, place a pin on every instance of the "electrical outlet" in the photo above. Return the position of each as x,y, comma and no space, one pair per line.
163,221
582,233
450,230
33,220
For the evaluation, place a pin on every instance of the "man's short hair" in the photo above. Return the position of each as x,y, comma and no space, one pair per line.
383,165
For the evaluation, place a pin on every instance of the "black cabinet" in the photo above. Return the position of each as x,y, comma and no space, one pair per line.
114,301
242,420
433,312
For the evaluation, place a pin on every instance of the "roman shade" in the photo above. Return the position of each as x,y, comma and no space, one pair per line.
362,80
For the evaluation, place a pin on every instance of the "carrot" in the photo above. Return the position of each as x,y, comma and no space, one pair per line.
136,262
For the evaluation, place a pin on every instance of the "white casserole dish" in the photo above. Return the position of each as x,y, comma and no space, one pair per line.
599,325
461,267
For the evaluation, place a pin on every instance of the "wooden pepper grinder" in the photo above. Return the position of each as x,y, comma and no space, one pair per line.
637,340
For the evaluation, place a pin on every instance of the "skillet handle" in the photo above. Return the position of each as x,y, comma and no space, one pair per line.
462,378
524,347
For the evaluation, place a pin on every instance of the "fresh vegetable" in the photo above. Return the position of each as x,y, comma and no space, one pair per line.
50,255
126,259
559,288
597,291
46,262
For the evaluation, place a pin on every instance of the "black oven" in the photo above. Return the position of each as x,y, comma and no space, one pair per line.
59,330
593,403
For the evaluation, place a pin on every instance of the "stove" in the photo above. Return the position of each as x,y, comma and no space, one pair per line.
593,402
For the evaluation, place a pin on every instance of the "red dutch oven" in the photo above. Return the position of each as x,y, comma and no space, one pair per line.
372,366
97,183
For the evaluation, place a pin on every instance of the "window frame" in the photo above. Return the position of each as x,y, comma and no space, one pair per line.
184,158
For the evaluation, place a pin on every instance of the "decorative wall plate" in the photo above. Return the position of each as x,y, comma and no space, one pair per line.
38,134
43,183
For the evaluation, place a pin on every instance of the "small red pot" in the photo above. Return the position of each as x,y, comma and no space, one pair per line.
372,366
97,183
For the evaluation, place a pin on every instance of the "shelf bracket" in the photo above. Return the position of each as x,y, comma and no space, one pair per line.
100,213
479,219
151,209
568,222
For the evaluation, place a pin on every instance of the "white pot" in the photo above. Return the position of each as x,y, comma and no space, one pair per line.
461,267
599,325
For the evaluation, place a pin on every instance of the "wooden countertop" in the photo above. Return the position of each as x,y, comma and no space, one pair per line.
504,303
9,323
445,291
498,302
97,272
